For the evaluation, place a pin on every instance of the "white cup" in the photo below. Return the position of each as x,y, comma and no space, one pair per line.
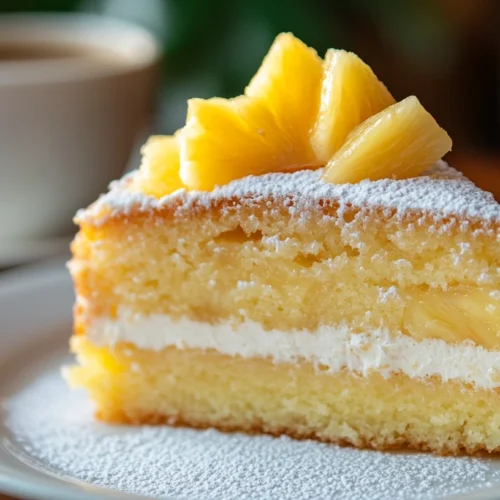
68,124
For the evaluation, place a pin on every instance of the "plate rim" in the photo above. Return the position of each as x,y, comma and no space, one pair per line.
19,474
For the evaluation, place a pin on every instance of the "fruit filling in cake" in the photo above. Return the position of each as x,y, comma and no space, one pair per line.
297,260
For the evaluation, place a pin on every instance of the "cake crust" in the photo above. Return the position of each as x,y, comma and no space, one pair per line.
442,194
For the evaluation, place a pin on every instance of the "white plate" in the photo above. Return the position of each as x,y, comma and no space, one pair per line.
50,447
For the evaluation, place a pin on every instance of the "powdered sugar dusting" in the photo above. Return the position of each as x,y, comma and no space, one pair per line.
442,192
183,463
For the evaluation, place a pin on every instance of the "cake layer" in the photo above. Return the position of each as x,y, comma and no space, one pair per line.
329,348
204,388
293,260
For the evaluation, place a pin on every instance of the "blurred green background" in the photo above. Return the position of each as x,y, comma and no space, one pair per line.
443,51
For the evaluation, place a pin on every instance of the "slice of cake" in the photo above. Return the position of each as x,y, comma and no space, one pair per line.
296,260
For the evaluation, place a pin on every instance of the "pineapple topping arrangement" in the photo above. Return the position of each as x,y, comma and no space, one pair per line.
298,112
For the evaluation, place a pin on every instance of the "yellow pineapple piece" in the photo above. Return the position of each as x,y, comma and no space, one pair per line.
401,141
350,94
289,83
226,139
265,131
159,170
455,315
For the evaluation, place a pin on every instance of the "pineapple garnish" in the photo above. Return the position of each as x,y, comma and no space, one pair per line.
159,171
455,315
228,139
298,112
267,130
402,141
289,83
350,93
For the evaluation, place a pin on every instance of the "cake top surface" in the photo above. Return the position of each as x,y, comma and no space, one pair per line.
441,192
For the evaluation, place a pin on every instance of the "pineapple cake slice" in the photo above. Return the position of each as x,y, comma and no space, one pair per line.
268,290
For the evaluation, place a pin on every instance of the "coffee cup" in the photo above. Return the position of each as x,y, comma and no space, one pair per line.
76,93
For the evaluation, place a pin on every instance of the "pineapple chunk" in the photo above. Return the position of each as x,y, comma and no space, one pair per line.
350,94
402,141
289,83
225,140
159,170
455,315
267,130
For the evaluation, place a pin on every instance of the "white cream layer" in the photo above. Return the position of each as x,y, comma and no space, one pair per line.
333,347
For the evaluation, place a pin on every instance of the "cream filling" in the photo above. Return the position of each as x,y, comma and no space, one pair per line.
332,347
